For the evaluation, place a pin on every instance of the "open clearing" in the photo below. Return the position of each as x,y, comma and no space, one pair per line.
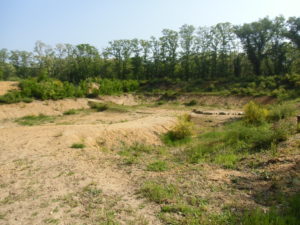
68,170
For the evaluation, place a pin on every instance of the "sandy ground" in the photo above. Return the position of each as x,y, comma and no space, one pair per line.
6,86
39,171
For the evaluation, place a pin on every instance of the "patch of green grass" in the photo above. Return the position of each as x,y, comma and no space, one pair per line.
35,120
157,166
98,106
289,215
228,144
51,221
71,112
78,145
133,152
281,111
159,193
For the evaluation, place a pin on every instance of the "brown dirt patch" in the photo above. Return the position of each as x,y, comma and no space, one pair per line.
6,86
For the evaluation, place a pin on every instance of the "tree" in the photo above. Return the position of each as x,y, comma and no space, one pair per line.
169,45
293,32
255,38
186,42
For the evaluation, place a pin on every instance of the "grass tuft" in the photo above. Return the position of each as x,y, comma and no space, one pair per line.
78,145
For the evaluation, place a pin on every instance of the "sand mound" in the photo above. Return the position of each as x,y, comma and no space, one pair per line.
145,130
126,99
6,86
232,101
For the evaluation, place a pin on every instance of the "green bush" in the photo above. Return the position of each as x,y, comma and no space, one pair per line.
182,130
254,113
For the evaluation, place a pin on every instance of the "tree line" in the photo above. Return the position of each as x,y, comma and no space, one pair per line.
261,48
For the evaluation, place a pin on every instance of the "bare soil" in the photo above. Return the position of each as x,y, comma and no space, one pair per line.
6,86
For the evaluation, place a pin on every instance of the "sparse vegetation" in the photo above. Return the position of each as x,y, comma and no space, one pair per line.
157,166
286,215
35,120
71,112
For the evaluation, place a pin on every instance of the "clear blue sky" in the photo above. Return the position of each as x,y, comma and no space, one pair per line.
23,22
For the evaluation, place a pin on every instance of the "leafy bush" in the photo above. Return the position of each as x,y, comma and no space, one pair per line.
254,113
182,130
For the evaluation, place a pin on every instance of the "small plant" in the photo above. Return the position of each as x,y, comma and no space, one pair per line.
255,114
98,106
181,131
157,166
78,145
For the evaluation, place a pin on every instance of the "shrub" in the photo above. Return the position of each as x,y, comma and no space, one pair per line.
282,129
11,97
254,113
98,106
182,130
281,111
191,103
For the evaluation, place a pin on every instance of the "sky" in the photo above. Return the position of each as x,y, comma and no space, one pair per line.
23,22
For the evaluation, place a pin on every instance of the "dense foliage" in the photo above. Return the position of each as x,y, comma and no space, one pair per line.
44,88
261,48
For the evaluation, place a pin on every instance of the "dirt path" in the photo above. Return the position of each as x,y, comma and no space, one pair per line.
44,181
